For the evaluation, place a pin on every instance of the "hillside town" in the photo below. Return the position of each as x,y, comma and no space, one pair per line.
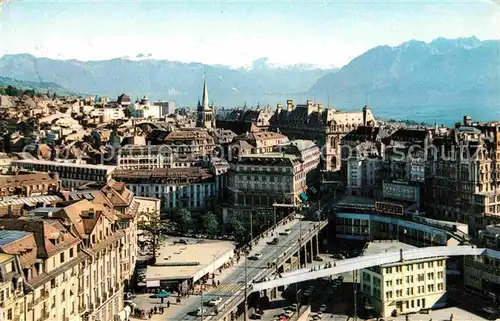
115,209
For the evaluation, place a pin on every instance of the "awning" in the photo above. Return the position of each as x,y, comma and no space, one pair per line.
303,196
153,284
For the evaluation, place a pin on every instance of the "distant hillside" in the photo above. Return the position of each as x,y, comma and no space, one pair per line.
443,78
163,79
38,87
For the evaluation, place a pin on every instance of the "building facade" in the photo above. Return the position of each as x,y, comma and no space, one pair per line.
70,174
482,274
193,188
406,286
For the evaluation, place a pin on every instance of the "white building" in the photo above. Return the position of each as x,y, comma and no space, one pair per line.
192,187
403,287
71,174
107,114
363,168
166,107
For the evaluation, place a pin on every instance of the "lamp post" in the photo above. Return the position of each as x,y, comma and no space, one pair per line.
245,310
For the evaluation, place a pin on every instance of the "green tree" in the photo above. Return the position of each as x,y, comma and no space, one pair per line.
156,229
238,229
210,224
184,219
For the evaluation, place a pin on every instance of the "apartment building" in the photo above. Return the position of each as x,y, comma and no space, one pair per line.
36,184
255,143
482,274
74,260
191,187
463,178
363,170
11,286
403,287
71,174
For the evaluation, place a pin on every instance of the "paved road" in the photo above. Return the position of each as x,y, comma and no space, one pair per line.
232,285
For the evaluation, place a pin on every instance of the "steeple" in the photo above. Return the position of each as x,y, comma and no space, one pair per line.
205,94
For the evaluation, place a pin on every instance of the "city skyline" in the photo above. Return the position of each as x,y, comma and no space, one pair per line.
235,34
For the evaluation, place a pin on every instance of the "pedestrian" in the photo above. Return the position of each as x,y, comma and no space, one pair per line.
218,282
168,304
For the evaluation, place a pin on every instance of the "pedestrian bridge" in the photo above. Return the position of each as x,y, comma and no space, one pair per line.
324,269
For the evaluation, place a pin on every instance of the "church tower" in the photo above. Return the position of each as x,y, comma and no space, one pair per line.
204,112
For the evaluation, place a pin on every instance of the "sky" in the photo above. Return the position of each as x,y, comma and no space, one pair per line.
235,33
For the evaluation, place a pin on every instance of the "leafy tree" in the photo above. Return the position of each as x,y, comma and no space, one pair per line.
157,229
238,229
210,224
184,219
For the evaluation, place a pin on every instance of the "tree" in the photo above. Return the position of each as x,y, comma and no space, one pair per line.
238,230
157,229
184,219
210,224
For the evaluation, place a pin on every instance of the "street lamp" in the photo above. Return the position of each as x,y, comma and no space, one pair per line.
245,312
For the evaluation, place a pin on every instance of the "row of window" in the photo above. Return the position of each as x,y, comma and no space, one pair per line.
410,291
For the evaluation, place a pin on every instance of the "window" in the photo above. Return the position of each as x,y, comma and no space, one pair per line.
430,276
388,270
440,286
430,288
388,295
421,277
71,253
440,274
9,314
430,264
63,296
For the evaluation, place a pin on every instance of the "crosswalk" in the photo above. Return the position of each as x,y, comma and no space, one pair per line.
228,288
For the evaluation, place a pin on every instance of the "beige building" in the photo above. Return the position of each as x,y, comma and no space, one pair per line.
403,287
11,297
74,261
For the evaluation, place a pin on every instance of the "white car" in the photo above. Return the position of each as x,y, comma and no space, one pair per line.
214,302
286,232
199,311
257,256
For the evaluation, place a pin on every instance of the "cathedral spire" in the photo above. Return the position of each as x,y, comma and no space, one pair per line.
205,93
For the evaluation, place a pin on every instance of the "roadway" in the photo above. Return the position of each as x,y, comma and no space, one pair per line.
321,270
231,289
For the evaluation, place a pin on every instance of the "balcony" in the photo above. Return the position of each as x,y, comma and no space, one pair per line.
82,309
45,315
43,296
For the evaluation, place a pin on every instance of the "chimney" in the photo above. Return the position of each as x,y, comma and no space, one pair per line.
289,105
320,108
279,108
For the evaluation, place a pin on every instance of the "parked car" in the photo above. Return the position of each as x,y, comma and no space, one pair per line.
338,256
318,258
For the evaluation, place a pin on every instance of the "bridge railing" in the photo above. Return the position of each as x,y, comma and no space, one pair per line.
371,260
239,295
